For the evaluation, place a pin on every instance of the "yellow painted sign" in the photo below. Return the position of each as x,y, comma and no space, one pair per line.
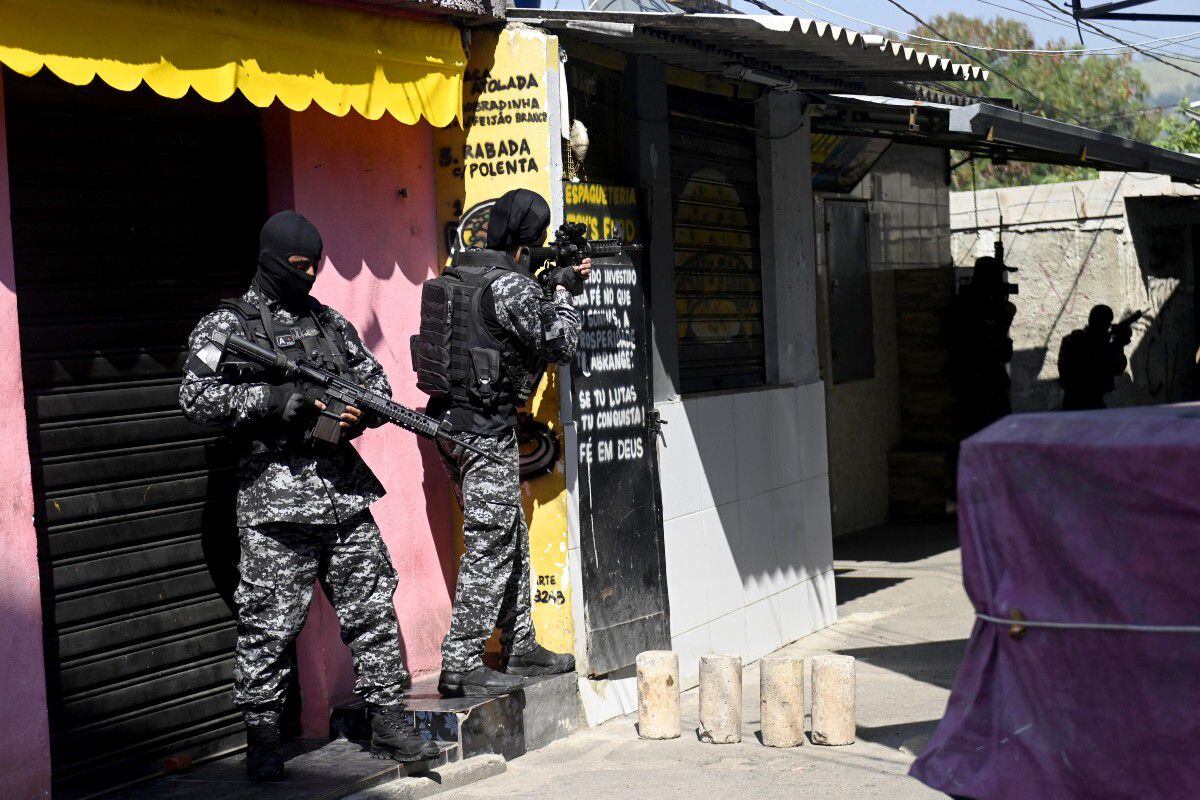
583,201
506,144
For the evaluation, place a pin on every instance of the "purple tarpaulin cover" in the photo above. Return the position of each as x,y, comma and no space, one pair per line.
1078,517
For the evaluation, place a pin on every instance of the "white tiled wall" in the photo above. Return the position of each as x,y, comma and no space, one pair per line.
745,490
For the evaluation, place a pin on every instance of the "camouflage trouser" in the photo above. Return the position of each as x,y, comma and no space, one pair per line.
493,574
279,564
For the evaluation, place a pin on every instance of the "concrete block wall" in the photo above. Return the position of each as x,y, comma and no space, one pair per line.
1086,242
745,490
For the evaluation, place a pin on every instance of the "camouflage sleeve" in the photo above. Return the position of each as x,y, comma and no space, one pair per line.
549,328
204,396
362,361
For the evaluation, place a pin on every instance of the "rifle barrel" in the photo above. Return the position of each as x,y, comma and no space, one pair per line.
607,248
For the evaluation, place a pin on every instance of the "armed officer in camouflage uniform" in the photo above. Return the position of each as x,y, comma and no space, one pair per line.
487,331
303,506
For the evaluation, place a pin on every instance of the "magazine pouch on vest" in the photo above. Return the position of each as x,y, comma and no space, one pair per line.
455,355
317,342
431,347
324,345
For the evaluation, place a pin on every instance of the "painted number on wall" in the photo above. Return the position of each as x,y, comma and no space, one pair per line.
546,591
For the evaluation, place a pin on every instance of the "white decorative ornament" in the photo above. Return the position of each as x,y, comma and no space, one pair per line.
578,145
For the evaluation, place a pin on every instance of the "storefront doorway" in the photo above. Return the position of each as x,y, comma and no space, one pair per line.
132,216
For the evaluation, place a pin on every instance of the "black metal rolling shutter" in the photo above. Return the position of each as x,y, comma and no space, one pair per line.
132,216
718,274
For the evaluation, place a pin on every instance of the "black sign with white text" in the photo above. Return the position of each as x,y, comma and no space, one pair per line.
620,527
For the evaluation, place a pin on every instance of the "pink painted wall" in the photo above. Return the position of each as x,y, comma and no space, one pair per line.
346,175
25,735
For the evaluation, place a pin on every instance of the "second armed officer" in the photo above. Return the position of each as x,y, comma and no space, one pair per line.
488,330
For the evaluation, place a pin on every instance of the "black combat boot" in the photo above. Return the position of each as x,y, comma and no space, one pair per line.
393,736
479,682
264,762
540,661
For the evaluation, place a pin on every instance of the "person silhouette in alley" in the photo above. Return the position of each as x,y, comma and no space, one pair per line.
1092,357
982,319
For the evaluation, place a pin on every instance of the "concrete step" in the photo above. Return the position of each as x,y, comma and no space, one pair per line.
544,710
316,770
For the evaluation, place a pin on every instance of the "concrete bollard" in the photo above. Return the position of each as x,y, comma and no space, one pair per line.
658,694
833,700
781,702
720,699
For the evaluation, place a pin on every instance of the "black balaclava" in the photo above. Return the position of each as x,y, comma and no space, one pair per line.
519,217
284,235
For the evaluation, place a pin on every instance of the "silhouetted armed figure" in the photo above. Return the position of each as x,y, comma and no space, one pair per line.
1091,358
983,315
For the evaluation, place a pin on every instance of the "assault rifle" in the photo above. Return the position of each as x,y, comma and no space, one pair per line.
567,250
1122,332
338,393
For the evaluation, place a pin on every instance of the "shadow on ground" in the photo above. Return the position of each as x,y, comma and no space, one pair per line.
852,587
897,542
894,736
935,663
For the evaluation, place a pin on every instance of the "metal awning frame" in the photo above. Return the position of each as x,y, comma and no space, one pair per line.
836,67
995,132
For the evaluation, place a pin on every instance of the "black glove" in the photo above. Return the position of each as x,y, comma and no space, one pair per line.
565,277
290,403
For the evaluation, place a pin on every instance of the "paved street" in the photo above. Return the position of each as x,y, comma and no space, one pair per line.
902,613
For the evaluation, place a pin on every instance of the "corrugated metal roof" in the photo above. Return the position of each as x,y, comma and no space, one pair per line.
995,132
815,55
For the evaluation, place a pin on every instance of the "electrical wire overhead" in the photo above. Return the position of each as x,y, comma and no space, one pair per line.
1117,39
1121,49
1040,12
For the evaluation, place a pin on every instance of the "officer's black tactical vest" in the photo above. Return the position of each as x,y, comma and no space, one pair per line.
314,343
463,362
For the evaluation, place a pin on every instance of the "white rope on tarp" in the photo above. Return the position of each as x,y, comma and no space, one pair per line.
1095,626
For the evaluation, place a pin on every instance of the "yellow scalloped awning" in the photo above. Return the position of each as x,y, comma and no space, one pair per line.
294,52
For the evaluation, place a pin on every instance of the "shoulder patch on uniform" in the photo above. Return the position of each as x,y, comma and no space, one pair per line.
209,355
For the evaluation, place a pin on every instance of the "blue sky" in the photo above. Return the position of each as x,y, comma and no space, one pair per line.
1038,14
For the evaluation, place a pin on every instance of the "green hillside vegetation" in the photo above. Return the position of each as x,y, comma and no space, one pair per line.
1108,93
1167,86
1180,131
